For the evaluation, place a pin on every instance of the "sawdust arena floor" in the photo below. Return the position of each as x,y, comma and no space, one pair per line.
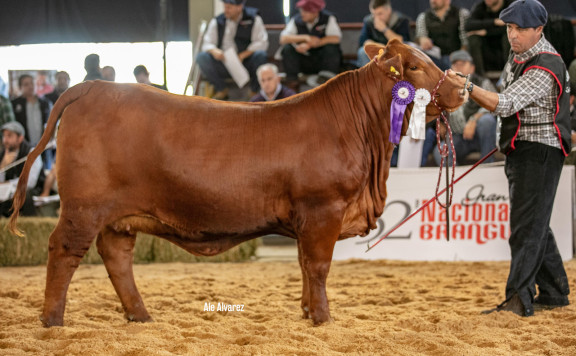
379,307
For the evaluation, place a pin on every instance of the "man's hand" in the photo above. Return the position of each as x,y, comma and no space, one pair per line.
217,53
499,22
574,138
314,42
302,48
243,55
481,32
426,43
380,25
469,130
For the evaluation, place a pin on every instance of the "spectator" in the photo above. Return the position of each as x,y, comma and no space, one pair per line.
62,83
30,110
271,87
109,73
43,85
143,77
382,25
14,148
473,127
239,28
92,66
6,111
442,26
312,43
3,88
487,41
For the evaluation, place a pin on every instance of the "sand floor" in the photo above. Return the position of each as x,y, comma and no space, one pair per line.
379,307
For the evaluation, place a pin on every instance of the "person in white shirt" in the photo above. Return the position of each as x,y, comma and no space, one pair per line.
312,43
239,28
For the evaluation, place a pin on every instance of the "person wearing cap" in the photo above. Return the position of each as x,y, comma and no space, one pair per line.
239,28
15,148
270,84
311,42
473,127
442,26
487,41
382,25
143,77
534,112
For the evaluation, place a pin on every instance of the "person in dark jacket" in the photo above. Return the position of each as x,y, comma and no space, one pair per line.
271,87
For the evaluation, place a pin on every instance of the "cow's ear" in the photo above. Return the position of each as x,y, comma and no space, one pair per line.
374,50
393,67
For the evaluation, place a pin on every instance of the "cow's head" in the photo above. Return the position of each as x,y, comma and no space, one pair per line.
403,62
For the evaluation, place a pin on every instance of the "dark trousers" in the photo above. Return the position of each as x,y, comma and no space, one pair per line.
533,172
216,73
28,208
327,57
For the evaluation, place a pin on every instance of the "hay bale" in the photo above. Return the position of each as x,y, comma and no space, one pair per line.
33,248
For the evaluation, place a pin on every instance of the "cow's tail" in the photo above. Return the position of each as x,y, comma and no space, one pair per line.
68,97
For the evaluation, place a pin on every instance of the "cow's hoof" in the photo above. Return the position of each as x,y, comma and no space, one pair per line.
305,313
48,322
139,319
325,322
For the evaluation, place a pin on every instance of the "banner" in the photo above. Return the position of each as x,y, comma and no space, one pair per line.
479,218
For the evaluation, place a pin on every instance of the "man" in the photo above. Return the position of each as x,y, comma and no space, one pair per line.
6,111
241,29
442,26
271,87
15,147
535,135
62,83
382,25
92,66
473,127
311,43
487,41
109,73
143,77
30,110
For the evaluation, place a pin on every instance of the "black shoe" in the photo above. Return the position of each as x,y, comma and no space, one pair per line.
543,304
513,305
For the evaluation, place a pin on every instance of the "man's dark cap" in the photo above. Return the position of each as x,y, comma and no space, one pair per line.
234,2
525,14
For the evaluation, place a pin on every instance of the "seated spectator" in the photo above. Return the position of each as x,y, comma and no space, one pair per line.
109,73
473,128
442,26
487,40
239,28
382,25
14,148
92,66
271,87
143,77
311,43
62,83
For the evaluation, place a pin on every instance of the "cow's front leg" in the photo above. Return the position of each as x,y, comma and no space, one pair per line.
316,245
305,304
117,252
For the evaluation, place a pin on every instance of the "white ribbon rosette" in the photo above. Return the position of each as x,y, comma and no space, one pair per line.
417,125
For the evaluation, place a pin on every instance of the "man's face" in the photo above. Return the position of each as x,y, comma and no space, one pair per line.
439,4
463,67
27,87
522,39
231,11
493,3
62,81
141,78
308,16
108,74
11,140
269,81
382,13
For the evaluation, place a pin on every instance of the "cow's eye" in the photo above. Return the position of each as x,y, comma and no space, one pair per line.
413,68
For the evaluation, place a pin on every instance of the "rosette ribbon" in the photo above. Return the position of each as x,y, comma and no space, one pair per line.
402,94
417,126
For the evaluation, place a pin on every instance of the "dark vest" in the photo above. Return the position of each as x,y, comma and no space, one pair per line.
15,172
445,34
243,36
510,125
319,29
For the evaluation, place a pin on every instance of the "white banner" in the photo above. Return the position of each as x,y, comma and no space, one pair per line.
479,226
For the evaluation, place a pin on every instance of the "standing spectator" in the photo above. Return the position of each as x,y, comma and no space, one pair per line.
239,28
109,73
271,87
487,41
15,147
43,85
30,110
312,43
3,88
473,127
6,111
143,77
382,25
62,83
92,66
535,136
442,26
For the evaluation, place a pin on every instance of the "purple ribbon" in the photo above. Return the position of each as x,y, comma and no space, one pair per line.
402,94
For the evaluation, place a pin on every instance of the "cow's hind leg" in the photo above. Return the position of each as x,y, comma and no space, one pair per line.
316,244
117,251
68,243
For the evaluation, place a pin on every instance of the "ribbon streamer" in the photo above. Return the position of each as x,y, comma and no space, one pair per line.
417,126
402,94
